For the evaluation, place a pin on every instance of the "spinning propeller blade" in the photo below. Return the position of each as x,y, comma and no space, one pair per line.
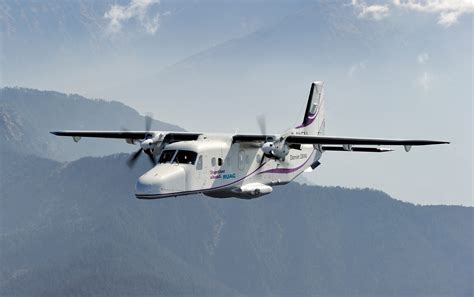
151,157
148,121
134,157
262,124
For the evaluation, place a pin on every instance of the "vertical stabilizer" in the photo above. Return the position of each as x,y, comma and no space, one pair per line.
313,121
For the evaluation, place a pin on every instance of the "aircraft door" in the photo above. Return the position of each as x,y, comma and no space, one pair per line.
199,171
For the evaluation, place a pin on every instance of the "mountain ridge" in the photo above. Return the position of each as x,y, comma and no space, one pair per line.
95,238
28,115
75,228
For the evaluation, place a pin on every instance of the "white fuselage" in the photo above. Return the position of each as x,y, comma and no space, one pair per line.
221,169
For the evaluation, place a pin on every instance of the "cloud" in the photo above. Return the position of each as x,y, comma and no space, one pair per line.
139,10
356,68
422,58
373,12
449,10
424,80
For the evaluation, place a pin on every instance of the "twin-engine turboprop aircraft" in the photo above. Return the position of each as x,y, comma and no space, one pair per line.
237,165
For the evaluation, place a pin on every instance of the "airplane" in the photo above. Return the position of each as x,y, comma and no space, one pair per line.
236,165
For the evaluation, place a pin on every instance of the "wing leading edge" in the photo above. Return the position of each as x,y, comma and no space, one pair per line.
103,134
133,135
348,142
298,139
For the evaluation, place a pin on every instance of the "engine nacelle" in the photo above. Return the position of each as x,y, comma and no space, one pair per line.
151,143
277,150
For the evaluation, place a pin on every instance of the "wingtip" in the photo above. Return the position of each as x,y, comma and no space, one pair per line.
439,142
57,133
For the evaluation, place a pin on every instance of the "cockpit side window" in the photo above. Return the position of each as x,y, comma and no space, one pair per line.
166,156
185,157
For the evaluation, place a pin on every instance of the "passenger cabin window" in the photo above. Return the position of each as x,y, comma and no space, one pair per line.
219,161
213,162
185,157
166,156
199,163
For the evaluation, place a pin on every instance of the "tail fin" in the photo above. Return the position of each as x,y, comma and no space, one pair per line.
313,121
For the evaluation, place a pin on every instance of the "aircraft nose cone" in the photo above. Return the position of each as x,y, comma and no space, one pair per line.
162,181
147,185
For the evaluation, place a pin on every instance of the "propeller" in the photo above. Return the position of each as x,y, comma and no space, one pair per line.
148,121
134,157
262,124
151,157
272,148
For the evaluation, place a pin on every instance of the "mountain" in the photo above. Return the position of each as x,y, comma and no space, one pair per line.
55,37
359,60
27,116
215,65
387,78
75,229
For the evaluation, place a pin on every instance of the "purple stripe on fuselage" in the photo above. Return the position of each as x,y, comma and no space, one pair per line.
287,170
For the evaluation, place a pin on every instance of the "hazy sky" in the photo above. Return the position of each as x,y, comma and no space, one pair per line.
392,69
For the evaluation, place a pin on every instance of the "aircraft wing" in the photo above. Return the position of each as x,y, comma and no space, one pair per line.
347,142
128,135
103,134
252,137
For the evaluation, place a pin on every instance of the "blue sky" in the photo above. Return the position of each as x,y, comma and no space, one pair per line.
392,69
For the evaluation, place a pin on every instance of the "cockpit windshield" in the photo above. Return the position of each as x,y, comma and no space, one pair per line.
185,157
166,156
